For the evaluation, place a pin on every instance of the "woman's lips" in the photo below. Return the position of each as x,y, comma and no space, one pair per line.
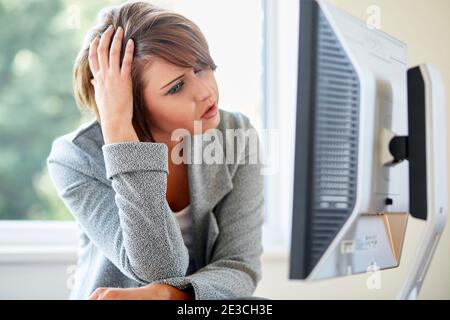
210,113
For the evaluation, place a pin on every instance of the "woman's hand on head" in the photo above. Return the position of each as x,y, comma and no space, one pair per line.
112,83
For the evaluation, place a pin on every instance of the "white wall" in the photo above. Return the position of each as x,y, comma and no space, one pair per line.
37,280
37,259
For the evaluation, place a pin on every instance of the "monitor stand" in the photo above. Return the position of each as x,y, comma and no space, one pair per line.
428,169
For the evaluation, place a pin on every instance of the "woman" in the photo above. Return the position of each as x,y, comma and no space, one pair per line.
152,227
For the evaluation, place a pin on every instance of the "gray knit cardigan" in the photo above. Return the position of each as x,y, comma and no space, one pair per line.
129,236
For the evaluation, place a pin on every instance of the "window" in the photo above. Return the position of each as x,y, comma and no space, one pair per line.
280,89
39,44
36,100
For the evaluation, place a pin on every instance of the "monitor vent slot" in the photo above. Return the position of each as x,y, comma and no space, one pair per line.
335,140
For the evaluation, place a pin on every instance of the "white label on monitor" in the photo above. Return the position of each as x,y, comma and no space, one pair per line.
368,243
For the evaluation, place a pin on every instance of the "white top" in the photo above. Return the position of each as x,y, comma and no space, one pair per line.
185,221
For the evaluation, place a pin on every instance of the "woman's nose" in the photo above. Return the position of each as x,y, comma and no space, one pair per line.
203,90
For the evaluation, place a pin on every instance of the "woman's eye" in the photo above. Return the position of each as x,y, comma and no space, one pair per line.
179,85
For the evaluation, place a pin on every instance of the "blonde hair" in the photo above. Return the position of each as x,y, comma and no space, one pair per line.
156,32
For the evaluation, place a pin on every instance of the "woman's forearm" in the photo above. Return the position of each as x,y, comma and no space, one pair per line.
118,131
152,244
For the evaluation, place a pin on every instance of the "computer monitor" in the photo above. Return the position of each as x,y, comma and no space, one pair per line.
351,184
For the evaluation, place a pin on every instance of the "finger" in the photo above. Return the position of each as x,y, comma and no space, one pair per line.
114,54
124,294
97,293
93,57
103,48
111,294
128,58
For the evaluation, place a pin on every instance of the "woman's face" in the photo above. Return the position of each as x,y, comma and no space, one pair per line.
176,97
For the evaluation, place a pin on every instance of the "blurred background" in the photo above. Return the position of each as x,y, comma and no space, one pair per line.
254,44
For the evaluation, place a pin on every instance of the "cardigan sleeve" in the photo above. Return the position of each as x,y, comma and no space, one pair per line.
235,267
130,222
